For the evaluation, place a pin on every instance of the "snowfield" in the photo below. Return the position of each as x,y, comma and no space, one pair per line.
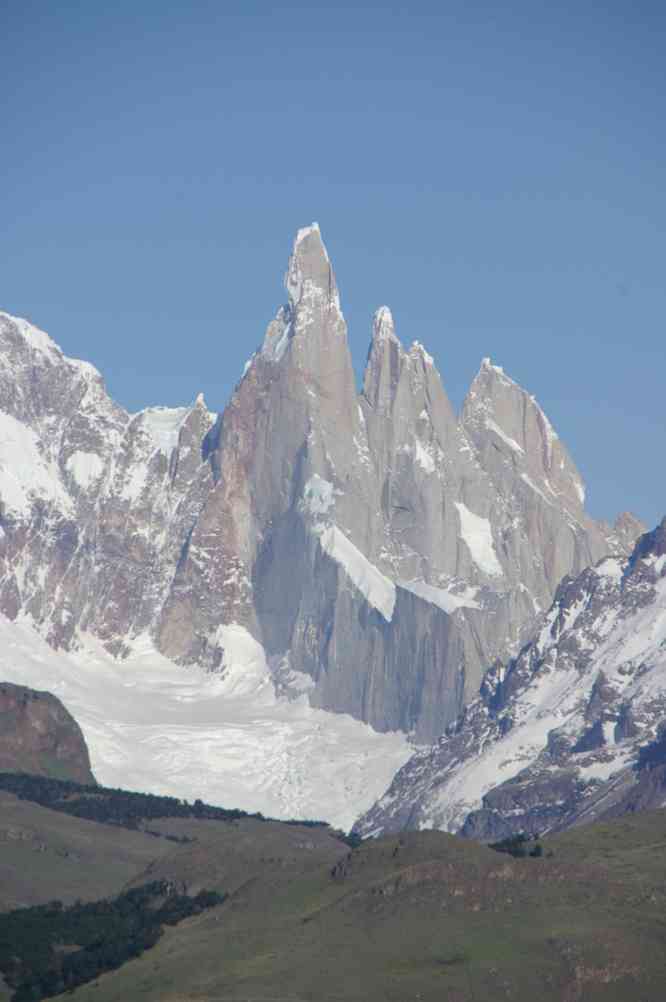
156,727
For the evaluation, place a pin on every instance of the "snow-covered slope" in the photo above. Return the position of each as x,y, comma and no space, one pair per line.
227,738
556,736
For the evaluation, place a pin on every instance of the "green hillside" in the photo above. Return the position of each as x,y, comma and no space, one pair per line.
423,916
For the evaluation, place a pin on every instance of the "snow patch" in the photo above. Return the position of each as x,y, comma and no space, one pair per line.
476,533
377,589
549,432
513,445
383,327
244,668
135,483
603,769
611,568
24,472
449,601
423,458
278,346
318,496
608,728
579,489
277,336
163,424
537,490
659,564
85,468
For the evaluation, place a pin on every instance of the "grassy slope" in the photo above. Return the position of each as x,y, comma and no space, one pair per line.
423,916
46,855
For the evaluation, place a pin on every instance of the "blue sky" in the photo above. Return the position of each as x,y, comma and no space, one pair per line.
494,172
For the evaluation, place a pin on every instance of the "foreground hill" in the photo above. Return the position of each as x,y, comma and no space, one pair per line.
421,915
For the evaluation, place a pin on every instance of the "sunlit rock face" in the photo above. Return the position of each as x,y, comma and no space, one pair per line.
382,550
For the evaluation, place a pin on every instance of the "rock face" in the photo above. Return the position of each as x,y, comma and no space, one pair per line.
571,730
39,736
378,547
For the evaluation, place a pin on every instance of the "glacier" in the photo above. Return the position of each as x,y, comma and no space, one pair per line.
225,738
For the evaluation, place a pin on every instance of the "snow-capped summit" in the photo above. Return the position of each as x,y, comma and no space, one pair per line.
310,274
382,324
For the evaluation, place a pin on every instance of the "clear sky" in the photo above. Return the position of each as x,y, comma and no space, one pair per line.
495,172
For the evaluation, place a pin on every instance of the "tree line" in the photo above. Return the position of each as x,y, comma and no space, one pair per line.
49,949
119,807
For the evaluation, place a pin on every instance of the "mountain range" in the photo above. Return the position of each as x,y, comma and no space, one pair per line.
322,577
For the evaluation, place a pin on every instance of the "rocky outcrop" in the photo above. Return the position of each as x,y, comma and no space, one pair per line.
569,731
378,547
39,736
